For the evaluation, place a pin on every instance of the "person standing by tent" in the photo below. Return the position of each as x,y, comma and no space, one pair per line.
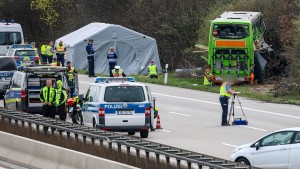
60,52
90,57
152,69
49,52
44,53
112,60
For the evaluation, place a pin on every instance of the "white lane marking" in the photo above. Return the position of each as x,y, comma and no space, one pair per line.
244,108
166,131
180,114
202,101
253,128
230,145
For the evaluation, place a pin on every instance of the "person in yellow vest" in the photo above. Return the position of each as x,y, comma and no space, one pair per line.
207,77
44,53
225,94
118,72
60,52
49,52
152,69
47,97
71,79
55,63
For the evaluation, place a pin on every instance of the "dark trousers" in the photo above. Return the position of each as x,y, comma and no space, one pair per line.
111,67
50,58
61,58
91,65
153,77
62,111
224,104
48,111
44,59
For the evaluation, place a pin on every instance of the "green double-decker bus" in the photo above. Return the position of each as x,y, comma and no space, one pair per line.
235,43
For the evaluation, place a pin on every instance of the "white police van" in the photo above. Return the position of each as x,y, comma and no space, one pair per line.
119,104
10,33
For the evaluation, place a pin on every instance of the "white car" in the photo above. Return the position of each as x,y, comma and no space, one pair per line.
278,150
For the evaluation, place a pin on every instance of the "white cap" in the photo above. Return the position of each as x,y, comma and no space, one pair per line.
117,67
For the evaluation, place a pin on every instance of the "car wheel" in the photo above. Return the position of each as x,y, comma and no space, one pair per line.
242,160
131,133
144,134
94,123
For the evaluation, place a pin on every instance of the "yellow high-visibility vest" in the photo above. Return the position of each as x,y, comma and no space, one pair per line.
152,70
48,51
60,49
44,50
223,91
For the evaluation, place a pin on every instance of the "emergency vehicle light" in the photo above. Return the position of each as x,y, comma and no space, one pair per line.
21,46
114,79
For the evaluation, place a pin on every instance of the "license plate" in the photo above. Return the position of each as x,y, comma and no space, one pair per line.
125,112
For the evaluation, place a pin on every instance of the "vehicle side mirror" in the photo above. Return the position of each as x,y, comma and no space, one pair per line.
81,97
91,99
257,145
5,87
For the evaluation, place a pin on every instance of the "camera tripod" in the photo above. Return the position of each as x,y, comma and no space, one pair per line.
231,119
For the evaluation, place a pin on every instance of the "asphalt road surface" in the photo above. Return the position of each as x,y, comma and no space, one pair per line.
191,120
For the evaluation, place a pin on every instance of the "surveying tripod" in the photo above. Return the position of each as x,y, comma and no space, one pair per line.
231,119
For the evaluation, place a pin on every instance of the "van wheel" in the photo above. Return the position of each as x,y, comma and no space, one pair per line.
131,133
144,134
242,160
94,123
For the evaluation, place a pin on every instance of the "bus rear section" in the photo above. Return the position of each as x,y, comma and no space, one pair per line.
10,33
230,51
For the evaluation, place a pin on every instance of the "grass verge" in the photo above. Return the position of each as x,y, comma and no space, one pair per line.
256,92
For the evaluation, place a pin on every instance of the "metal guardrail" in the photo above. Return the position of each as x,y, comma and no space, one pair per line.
202,160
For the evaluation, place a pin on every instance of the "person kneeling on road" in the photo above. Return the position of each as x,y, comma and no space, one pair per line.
60,100
47,97
118,72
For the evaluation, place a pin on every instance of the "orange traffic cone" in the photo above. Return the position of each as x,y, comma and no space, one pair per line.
158,123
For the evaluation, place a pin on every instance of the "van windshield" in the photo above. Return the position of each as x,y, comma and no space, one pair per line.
124,94
7,64
9,38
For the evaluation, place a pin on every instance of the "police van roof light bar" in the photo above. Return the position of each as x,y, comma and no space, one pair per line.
114,79
21,46
45,69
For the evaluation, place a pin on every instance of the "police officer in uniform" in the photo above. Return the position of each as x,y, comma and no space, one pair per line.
60,100
90,57
225,94
47,97
71,78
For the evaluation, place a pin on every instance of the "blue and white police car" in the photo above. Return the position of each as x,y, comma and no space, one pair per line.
119,104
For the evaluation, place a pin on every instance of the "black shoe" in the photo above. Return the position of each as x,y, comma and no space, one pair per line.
152,130
226,124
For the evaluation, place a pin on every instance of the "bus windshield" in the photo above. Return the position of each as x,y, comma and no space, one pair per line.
230,31
9,38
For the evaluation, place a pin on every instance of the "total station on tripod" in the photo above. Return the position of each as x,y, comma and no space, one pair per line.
231,119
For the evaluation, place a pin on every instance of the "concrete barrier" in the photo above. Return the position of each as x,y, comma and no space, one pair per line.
5,147
22,151
34,154
45,155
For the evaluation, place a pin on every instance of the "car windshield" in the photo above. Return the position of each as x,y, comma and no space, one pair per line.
25,53
231,31
9,38
124,94
7,64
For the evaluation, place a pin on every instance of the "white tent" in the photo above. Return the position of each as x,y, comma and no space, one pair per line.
134,50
